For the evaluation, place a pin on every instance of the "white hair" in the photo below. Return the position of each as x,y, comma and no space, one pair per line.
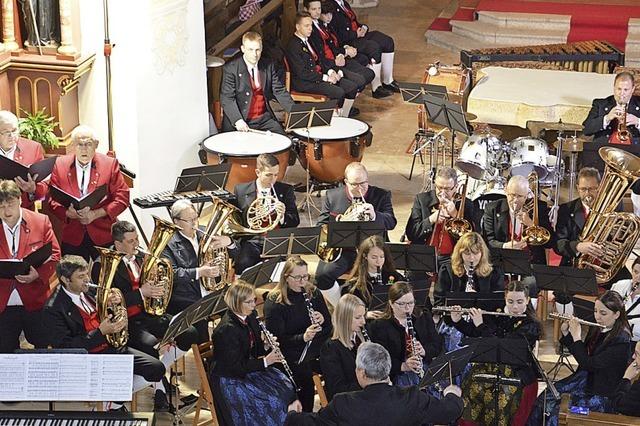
83,131
7,117
179,206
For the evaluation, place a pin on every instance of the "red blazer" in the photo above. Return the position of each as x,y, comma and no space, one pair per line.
27,153
35,231
104,170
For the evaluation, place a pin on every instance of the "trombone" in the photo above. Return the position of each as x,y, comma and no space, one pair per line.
458,226
535,235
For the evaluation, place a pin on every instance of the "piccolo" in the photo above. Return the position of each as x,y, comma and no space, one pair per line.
565,317
449,309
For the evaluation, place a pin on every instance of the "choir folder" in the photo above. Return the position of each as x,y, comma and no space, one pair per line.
9,268
90,200
10,169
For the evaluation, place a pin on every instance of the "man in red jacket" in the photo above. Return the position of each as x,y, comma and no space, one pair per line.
23,296
80,174
23,151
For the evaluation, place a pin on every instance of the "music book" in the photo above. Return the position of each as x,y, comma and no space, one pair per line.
10,169
9,268
90,200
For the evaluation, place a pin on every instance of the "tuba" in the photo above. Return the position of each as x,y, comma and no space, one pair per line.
157,269
109,260
616,232
215,256
535,235
458,226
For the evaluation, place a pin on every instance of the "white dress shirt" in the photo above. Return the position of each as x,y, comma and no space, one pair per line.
80,169
80,301
623,288
12,236
9,154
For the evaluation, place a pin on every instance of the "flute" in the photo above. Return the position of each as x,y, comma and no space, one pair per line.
276,349
449,309
580,320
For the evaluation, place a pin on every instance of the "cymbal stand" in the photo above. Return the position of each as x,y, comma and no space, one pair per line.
553,212
573,164
428,177
308,204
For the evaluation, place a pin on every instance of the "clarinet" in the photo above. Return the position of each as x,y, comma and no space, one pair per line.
365,335
269,337
633,288
311,311
412,333
377,278
470,281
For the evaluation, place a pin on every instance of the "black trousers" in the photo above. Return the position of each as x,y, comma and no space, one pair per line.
358,73
368,48
16,319
145,331
344,89
86,249
381,39
265,122
249,255
328,273
303,375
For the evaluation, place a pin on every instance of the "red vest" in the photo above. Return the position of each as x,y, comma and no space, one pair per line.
91,322
258,104
325,35
442,240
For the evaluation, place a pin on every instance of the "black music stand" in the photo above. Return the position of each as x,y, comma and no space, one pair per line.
500,352
415,258
583,309
487,301
350,234
288,241
447,366
448,114
413,93
511,261
261,273
203,178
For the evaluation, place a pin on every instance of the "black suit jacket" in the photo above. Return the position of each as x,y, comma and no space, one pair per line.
449,282
595,120
65,328
301,62
318,45
338,365
342,25
496,227
236,92
390,334
381,404
626,399
419,228
337,202
246,194
568,228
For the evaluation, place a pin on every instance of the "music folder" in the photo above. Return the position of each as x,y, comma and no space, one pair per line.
9,268
10,169
90,200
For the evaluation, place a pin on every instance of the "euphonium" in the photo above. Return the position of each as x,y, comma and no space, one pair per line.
535,235
221,211
156,269
109,260
356,212
458,226
617,233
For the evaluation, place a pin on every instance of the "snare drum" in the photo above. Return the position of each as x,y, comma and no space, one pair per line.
529,154
241,150
552,173
473,157
327,150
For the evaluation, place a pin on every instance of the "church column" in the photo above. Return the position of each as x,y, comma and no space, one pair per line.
66,31
8,34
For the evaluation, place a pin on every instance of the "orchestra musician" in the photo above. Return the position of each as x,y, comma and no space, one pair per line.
72,321
22,298
603,120
379,402
266,184
145,330
182,252
248,84
626,399
602,358
23,151
505,220
376,204
80,174
309,73
372,270
393,331
297,315
514,409
338,355
244,380
629,290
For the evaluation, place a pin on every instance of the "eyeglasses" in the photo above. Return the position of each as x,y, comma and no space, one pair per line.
363,183
85,143
585,190
299,277
191,220
403,304
251,301
444,188
10,132
514,195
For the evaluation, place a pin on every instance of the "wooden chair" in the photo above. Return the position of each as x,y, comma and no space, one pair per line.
201,354
299,96
593,418
317,381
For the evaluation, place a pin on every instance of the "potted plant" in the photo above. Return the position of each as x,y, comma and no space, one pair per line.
39,127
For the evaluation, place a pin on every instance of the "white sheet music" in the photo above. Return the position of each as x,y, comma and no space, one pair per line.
65,377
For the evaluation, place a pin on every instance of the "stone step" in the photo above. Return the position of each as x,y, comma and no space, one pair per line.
537,21
634,26
632,42
455,42
479,31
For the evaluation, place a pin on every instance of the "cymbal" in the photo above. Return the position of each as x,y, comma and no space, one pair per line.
571,144
214,61
470,116
487,131
565,127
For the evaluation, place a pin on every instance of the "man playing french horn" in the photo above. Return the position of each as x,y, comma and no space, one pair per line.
146,329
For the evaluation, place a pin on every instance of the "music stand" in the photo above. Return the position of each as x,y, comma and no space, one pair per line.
203,178
288,241
511,261
351,234
306,116
448,114
413,93
500,352
446,366
583,309
415,258
261,273
487,301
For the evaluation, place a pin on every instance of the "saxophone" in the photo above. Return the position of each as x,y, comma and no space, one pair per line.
109,260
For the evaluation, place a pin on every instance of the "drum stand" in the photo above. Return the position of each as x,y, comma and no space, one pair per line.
428,177
307,202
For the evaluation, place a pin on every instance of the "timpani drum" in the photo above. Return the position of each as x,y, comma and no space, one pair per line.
241,150
325,151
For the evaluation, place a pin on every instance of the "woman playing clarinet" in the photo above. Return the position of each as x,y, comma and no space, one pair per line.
372,271
297,315
516,404
242,375
338,355
602,358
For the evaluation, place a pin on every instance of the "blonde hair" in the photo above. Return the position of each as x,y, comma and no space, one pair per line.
279,294
471,242
342,319
359,273
251,36
237,293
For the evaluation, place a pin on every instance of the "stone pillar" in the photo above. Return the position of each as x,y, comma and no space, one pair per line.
66,31
8,33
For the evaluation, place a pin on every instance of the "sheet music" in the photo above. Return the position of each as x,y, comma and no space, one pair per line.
66,377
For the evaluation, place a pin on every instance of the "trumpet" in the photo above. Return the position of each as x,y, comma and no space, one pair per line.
449,309
270,340
565,317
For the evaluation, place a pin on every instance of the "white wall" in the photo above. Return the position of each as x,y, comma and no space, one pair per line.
159,87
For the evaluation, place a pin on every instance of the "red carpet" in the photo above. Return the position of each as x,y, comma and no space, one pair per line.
462,14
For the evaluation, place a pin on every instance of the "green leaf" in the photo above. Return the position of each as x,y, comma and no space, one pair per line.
39,127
